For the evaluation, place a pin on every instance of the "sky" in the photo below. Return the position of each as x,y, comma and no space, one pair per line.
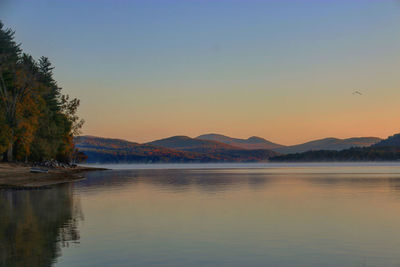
282,70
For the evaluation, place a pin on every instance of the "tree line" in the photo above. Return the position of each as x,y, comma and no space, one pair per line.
352,154
37,121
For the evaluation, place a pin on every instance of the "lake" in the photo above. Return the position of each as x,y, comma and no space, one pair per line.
209,215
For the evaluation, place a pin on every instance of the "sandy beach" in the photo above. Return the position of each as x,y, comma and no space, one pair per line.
18,176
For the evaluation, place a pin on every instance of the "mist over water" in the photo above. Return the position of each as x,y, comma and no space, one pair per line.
357,166
230,215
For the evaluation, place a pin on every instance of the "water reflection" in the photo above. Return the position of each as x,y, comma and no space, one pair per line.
394,184
219,181
354,180
207,217
242,217
34,225
175,180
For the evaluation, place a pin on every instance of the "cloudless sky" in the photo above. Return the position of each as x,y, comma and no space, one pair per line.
282,70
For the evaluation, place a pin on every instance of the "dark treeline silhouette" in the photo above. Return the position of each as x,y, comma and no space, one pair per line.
352,154
37,122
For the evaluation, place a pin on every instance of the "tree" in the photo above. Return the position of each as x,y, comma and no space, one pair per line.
28,106
9,55
37,121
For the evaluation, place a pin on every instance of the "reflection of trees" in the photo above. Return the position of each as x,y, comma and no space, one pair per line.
395,184
353,180
357,181
35,224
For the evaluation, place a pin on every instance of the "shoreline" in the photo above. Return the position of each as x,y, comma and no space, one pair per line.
18,176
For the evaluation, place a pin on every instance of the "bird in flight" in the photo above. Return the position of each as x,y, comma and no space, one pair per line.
357,93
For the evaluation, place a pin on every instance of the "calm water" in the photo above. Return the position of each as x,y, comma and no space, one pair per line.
209,215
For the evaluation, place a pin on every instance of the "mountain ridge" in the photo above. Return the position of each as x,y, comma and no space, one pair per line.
391,141
385,150
330,143
186,149
186,143
104,150
253,142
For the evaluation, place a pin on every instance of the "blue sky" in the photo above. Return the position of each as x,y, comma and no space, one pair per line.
284,70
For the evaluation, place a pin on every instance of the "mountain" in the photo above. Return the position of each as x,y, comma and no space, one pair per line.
186,149
107,150
391,141
186,143
88,141
322,144
329,144
101,150
384,150
253,142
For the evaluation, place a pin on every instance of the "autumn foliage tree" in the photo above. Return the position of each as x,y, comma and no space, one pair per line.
37,121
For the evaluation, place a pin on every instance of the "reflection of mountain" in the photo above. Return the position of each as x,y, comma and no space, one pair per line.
34,225
225,180
394,184
178,179
360,180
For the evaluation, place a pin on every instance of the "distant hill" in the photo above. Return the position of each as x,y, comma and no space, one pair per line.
102,150
186,149
391,141
186,143
322,144
88,141
384,150
107,150
329,144
253,142
213,148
